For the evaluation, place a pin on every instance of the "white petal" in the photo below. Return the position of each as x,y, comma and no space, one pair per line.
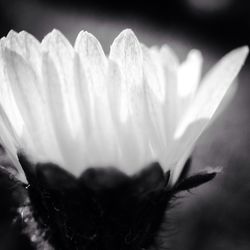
8,134
95,142
9,127
93,59
25,45
170,57
155,87
57,113
23,80
125,131
6,140
62,54
170,65
94,63
126,52
6,96
12,42
189,74
84,137
213,88
93,66
31,50
9,140
114,87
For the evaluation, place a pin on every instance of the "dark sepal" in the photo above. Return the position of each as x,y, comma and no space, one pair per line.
13,196
186,182
37,216
149,179
194,181
103,209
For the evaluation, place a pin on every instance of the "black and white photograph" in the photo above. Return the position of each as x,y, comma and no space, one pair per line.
124,125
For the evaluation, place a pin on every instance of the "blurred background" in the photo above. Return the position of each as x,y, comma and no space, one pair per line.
217,215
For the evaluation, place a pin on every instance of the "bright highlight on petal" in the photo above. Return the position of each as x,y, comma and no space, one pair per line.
189,74
78,108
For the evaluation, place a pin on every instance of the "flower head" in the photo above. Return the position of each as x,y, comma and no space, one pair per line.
76,107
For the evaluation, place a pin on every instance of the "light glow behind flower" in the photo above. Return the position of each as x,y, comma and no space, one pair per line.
78,108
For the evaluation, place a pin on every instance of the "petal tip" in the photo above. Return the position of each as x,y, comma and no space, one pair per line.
52,35
55,31
83,37
195,53
127,33
87,43
240,53
124,41
11,33
245,51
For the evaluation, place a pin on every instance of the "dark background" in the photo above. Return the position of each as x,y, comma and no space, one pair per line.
217,215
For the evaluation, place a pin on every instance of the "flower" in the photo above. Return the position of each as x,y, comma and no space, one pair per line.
76,107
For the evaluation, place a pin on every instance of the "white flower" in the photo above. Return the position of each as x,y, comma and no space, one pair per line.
75,107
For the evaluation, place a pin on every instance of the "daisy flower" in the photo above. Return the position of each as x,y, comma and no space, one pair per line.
75,109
